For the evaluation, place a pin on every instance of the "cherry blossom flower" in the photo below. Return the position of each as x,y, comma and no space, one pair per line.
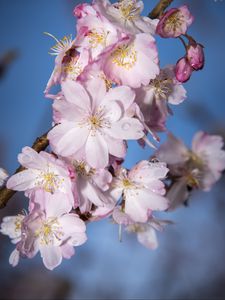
11,226
3,176
125,15
142,189
69,62
43,171
146,234
91,185
201,166
174,22
93,121
52,231
153,98
96,34
133,62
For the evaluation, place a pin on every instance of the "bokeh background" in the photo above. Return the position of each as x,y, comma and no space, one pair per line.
190,262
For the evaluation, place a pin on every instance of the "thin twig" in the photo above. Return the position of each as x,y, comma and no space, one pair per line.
41,143
159,8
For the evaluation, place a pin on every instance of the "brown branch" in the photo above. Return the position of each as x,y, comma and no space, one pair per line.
159,9
40,144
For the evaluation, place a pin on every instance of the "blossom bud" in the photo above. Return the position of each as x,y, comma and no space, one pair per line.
183,70
174,22
195,56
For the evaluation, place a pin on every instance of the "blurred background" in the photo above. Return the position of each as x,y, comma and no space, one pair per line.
189,264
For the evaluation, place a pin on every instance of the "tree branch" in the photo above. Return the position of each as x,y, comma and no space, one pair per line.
159,8
40,144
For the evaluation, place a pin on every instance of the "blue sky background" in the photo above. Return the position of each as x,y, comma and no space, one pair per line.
190,259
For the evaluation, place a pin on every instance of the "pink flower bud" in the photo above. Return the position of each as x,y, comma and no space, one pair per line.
195,56
183,70
174,22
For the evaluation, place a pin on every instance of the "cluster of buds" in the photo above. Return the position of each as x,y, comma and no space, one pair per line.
112,90
174,24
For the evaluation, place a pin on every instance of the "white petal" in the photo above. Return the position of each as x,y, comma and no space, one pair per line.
127,129
51,255
22,181
96,151
67,138
75,93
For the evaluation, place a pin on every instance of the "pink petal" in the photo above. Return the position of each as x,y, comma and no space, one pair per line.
127,129
124,94
75,93
96,151
29,158
67,138
52,256
22,181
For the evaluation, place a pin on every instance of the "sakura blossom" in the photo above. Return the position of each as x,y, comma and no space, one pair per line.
94,122
91,185
133,62
142,189
126,14
43,171
174,22
52,231
11,226
153,99
199,167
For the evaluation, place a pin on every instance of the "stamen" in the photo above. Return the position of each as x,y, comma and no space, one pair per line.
125,56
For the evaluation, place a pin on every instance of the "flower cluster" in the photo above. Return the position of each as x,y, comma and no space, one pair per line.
112,90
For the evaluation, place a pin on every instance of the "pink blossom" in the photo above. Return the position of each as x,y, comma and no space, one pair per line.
11,226
84,9
43,171
69,62
201,166
174,22
52,231
208,148
183,70
125,15
142,189
146,234
133,62
153,98
96,34
91,186
93,121
195,56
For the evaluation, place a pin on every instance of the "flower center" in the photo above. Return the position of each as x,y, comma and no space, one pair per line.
162,87
49,231
18,223
174,22
49,181
125,56
97,38
129,10
82,169
73,68
127,183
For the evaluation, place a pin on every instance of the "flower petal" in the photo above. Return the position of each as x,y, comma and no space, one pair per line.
96,151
